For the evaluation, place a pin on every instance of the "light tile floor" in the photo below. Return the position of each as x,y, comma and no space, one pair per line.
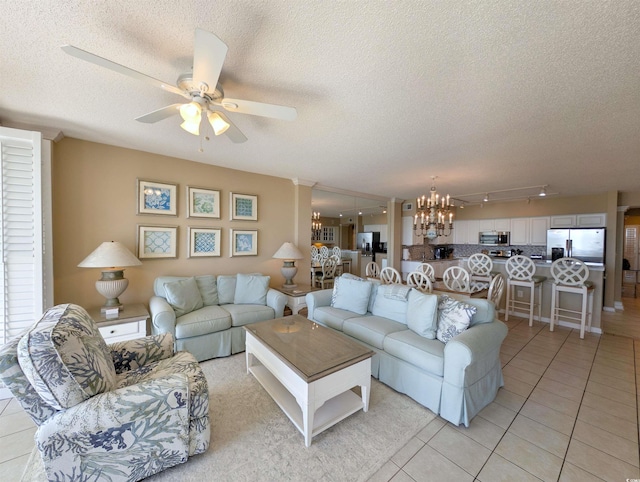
568,412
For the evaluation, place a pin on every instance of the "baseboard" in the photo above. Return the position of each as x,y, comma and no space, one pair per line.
611,309
567,324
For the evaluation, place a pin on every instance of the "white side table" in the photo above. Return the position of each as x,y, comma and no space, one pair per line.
296,296
130,324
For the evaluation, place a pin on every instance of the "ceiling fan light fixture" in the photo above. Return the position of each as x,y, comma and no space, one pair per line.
219,125
191,111
192,126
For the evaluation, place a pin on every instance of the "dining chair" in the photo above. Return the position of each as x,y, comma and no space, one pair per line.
372,270
326,277
324,252
456,278
480,266
390,276
338,264
419,281
427,268
496,290
521,271
336,251
314,251
570,276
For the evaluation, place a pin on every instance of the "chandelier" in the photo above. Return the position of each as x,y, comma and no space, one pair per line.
316,225
431,214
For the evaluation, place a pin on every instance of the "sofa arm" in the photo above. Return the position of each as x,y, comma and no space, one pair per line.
132,354
276,300
114,432
473,353
163,318
316,299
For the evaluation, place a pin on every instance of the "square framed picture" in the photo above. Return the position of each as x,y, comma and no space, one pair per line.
157,198
203,203
244,207
157,242
244,242
204,242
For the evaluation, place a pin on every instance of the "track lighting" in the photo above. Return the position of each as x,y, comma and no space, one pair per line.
543,191
486,198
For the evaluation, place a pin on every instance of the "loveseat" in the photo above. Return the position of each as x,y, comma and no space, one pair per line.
119,412
422,346
206,314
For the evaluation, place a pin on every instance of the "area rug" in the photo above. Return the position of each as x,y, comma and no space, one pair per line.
253,440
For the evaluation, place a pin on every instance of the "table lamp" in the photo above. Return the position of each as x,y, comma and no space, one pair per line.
114,256
289,253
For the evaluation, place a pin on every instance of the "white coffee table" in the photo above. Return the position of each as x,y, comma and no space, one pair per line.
309,371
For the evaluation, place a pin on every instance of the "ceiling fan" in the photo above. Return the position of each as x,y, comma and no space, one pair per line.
201,87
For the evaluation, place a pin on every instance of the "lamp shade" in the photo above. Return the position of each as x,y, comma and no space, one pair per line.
110,254
288,251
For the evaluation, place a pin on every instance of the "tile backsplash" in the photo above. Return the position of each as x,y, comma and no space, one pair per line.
426,252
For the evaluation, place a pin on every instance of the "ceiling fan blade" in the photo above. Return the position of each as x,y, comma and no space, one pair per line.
208,56
258,108
121,69
232,132
158,115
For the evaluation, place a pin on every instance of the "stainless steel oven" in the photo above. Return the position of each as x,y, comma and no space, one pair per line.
495,238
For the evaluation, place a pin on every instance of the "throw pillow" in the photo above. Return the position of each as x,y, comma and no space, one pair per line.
453,318
226,289
395,310
208,289
251,289
183,296
422,314
351,295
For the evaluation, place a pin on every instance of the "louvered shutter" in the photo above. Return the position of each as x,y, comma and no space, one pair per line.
21,235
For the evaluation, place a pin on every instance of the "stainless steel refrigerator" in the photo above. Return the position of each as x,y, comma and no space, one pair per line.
586,244
368,242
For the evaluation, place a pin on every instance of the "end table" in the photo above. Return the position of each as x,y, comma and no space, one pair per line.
131,323
296,296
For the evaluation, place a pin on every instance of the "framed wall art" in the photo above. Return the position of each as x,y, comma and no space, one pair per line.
157,242
203,203
244,242
244,207
204,242
157,198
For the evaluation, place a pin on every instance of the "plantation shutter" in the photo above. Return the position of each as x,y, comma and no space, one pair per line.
21,231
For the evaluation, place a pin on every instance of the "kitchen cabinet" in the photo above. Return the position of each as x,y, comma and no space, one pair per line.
566,221
486,225
460,232
407,230
502,224
529,231
378,228
598,220
473,230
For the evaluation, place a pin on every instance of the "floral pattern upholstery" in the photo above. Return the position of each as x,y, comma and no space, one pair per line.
153,414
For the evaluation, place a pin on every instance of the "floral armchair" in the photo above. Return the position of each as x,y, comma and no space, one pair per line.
119,412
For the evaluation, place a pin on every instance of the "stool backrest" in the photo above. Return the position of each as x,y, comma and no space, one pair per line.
520,268
390,276
496,289
480,264
427,269
372,270
456,278
569,271
419,281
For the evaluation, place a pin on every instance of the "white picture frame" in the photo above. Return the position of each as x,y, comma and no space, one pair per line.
155,197
204,242
156,242
203,203
244,207
244,242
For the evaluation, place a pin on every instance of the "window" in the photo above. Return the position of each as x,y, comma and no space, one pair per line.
25,274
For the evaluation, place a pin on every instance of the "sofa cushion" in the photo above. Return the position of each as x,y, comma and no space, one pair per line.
65,358
251,289
371,329
332,317
244,314
427,354
208,289
422,313
183,296
453,317
389,308
226,289
374,292
351,294
208,319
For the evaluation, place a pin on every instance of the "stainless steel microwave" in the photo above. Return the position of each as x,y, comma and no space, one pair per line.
495,238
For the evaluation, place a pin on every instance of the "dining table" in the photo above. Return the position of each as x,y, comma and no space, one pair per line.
439,288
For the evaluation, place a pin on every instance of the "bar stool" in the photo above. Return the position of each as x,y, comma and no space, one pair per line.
570,276
372,270
427,268
456,278
480,267
521,272
390,276
419,281
496,290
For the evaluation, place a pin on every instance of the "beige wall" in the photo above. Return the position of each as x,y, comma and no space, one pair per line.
94,200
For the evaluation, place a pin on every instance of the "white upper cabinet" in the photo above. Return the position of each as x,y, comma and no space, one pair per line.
598,220
520,231
538,230
502,224
486,225
407,230
460,232
473,230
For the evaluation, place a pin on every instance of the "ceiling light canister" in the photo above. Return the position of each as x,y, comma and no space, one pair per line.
543,191
218,123
486,198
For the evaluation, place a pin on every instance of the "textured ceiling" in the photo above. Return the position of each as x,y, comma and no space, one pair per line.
485,95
